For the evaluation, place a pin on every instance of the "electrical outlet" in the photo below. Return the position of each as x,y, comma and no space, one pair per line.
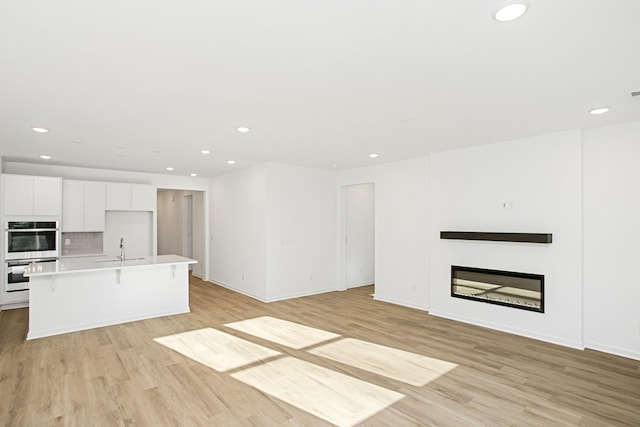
507,205
413,288
67,242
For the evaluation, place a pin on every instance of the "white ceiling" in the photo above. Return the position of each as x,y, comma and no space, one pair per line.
321,83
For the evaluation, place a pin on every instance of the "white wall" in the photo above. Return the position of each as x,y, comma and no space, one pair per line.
359,240
170,222
401,229
301,229
238,231
136,228
541,176
611,236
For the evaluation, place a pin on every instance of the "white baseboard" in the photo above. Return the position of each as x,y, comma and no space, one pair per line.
11,306
630,354
358,285
410,304
521,332
271,299
234,289
300,294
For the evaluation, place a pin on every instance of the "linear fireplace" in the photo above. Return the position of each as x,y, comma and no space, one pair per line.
508,288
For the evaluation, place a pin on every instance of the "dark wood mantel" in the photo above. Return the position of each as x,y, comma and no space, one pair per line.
497,237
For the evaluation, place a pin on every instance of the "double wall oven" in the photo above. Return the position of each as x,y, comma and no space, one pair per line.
27,242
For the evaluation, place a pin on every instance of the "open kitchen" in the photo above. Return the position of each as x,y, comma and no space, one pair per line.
82,254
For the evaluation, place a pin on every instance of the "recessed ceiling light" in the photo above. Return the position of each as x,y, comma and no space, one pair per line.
205,152
169,168
373,155
45,157
193,174
511,11
599,110
231,162
119,146
243,129
119,154
40,130
157,152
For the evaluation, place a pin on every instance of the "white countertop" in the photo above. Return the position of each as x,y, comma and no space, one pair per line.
84,265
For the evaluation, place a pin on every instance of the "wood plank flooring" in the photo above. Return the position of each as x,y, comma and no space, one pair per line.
120,376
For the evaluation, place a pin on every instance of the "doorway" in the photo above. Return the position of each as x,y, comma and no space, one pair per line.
181,228
359,235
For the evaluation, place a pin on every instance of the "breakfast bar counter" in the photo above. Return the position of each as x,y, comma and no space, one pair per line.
76,294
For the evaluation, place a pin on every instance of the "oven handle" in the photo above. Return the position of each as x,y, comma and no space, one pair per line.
28,261
28,230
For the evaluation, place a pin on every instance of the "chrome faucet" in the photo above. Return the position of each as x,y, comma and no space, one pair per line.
121,257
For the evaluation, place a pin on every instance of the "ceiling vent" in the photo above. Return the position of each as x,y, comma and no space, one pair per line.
636,93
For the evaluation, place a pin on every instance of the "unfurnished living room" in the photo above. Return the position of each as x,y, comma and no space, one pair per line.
368,213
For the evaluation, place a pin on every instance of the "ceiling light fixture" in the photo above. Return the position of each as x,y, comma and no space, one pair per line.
243,129
193,174
45,157
373,155
510,11
231,162
599,110
40,130
205,152
169,168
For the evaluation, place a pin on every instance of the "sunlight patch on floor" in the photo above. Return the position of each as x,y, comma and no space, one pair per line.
216,349
332,396
400,365
283,332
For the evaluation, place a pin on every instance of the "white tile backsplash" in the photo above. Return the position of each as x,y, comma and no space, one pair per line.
81,243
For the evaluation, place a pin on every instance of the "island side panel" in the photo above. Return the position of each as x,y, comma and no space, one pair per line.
86,300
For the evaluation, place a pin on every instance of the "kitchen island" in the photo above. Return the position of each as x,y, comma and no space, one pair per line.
76,294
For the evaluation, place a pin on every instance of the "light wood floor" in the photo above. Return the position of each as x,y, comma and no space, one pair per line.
120,376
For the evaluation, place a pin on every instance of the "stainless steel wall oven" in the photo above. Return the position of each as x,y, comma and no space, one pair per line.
15,278
31,239
27,242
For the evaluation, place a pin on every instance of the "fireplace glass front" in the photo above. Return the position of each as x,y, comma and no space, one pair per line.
519,290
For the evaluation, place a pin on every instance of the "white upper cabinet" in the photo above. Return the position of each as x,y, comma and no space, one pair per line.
26,195
83,205
72,205
118,196
131,197
143,197
94,205
18,195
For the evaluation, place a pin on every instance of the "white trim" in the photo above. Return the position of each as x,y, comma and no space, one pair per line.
359,285
409,304
612,350
521,332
